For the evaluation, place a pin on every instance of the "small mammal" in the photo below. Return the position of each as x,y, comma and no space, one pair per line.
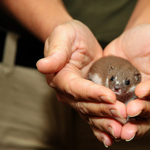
118,74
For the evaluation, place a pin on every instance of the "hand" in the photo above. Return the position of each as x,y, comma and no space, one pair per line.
69,53
134,45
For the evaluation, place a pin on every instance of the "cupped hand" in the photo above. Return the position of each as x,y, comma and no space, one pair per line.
134,45
69,52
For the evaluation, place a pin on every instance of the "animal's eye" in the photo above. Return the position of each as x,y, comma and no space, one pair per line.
127,82
112,78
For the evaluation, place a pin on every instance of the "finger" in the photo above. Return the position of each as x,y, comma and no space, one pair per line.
136,129
143,89
84,90
88,109
107,125
103,137
58,48
48,64
139,107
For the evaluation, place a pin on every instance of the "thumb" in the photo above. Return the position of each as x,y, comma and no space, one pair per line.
57,51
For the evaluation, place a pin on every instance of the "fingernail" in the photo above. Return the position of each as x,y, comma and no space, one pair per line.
42,59
122,121
130,139
136,114
106,99
104,143
112,132
116,113
117,140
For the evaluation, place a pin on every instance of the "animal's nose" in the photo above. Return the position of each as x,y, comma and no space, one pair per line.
117,87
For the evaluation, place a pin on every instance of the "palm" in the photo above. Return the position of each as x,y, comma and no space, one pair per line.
134,45
74,55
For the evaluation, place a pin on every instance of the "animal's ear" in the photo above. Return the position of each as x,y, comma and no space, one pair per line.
111,68
137,77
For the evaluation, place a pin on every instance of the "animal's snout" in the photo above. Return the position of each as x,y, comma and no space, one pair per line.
117,87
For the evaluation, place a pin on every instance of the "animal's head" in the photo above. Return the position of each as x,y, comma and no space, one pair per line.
123,79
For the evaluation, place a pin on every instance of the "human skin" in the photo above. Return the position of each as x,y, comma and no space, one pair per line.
69,55
91,101
122,46
134,45
128,131
39,17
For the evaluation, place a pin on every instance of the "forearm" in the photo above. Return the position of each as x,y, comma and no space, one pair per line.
40,17
140,14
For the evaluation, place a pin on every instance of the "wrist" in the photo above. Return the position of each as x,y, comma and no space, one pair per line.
140,14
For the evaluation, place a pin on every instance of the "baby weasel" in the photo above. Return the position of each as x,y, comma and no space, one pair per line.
118,74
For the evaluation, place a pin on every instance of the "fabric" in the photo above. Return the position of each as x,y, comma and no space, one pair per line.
30,115
106,18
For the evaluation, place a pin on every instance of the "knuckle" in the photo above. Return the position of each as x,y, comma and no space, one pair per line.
59,97
81,108
90,94
46,46
91,122
49,79
90,97
99,125
93,109
103,111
